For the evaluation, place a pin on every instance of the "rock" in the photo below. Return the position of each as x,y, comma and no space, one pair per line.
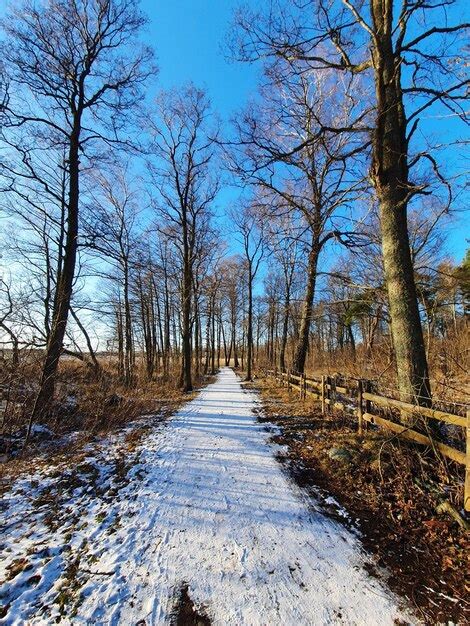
343,455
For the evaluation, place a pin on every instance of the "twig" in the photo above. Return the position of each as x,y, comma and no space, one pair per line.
88,571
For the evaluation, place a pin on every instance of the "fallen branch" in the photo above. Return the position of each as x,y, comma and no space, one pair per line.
446,507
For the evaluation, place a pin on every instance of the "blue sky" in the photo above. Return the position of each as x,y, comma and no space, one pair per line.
188,37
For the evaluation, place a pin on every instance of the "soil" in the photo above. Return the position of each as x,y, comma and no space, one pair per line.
186,613
385,489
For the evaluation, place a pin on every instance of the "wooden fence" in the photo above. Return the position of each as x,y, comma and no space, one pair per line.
356,398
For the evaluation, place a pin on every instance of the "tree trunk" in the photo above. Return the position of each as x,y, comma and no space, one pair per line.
300,355
234,344
276,333
407,334
186,382
271,334
249,332
160,329
258,332
285,328
226,353
166,350
128,347
219,335
208,330
96,365
65,281
120,340
213,337
197,346
390,177
351,339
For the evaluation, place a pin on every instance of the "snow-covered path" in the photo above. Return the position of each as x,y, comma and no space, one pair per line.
208,505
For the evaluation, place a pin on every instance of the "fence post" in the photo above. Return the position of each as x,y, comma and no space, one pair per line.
333,391
466,495
368,387
328,394
323,394
288,380
359,406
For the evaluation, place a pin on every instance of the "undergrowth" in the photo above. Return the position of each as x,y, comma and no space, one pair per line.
392,488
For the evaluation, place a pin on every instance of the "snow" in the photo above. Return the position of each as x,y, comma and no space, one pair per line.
40,429
204,503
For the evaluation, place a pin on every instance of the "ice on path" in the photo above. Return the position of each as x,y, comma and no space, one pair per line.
213,509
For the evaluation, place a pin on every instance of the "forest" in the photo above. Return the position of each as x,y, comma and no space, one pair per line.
113,244
148,241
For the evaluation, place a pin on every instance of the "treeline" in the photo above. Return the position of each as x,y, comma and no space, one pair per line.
114,233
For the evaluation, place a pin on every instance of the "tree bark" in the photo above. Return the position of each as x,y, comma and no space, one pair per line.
390,177
249,332
300,355
65,280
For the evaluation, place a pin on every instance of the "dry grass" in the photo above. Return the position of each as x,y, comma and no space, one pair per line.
448,359
86,407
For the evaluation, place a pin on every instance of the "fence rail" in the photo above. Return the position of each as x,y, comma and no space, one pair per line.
358,400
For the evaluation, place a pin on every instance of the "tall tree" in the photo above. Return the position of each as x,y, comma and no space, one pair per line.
297,167
76,70
400,48
112,233
249,224
184,145
287,248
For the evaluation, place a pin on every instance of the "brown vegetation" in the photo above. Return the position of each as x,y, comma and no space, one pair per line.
391,491
85,406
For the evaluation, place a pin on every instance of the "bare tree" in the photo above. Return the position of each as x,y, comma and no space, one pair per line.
283,151
77,72
249,224
6,323
112,232
404,50
287,248
183,150
232,272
